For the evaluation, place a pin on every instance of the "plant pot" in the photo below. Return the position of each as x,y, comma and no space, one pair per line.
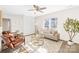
70,42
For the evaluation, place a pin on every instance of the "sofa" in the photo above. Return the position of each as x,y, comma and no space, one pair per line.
49,34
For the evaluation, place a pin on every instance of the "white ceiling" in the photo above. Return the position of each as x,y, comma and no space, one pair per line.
23,9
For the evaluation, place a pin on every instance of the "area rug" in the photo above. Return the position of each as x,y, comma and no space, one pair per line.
52,46
49,46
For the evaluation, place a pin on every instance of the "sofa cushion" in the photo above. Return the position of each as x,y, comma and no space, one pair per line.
55,33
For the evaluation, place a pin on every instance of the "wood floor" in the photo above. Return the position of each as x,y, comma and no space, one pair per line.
65,48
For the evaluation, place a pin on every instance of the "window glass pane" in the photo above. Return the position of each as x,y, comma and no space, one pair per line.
47,24
53,23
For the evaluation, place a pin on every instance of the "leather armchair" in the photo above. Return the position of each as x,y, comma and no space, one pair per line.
13,42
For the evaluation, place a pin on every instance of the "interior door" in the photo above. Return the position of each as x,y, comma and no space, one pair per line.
6,24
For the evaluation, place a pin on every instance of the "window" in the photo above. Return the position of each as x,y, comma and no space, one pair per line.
51,23
47,24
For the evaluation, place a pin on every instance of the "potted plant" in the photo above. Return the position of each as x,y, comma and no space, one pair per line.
71,26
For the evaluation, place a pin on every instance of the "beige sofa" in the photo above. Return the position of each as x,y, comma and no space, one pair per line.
50,34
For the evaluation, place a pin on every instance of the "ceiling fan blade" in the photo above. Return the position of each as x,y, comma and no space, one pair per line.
35,6
43,8
40,11
31,10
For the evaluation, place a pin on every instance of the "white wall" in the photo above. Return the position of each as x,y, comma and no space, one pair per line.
29,25
62,16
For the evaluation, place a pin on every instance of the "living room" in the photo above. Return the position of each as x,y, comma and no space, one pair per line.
34,25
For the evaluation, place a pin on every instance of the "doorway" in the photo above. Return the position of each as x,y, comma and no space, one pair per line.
6,24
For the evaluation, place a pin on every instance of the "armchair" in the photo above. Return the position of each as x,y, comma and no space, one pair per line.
11,41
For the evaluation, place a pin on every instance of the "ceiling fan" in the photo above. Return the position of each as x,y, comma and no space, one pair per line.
37,8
